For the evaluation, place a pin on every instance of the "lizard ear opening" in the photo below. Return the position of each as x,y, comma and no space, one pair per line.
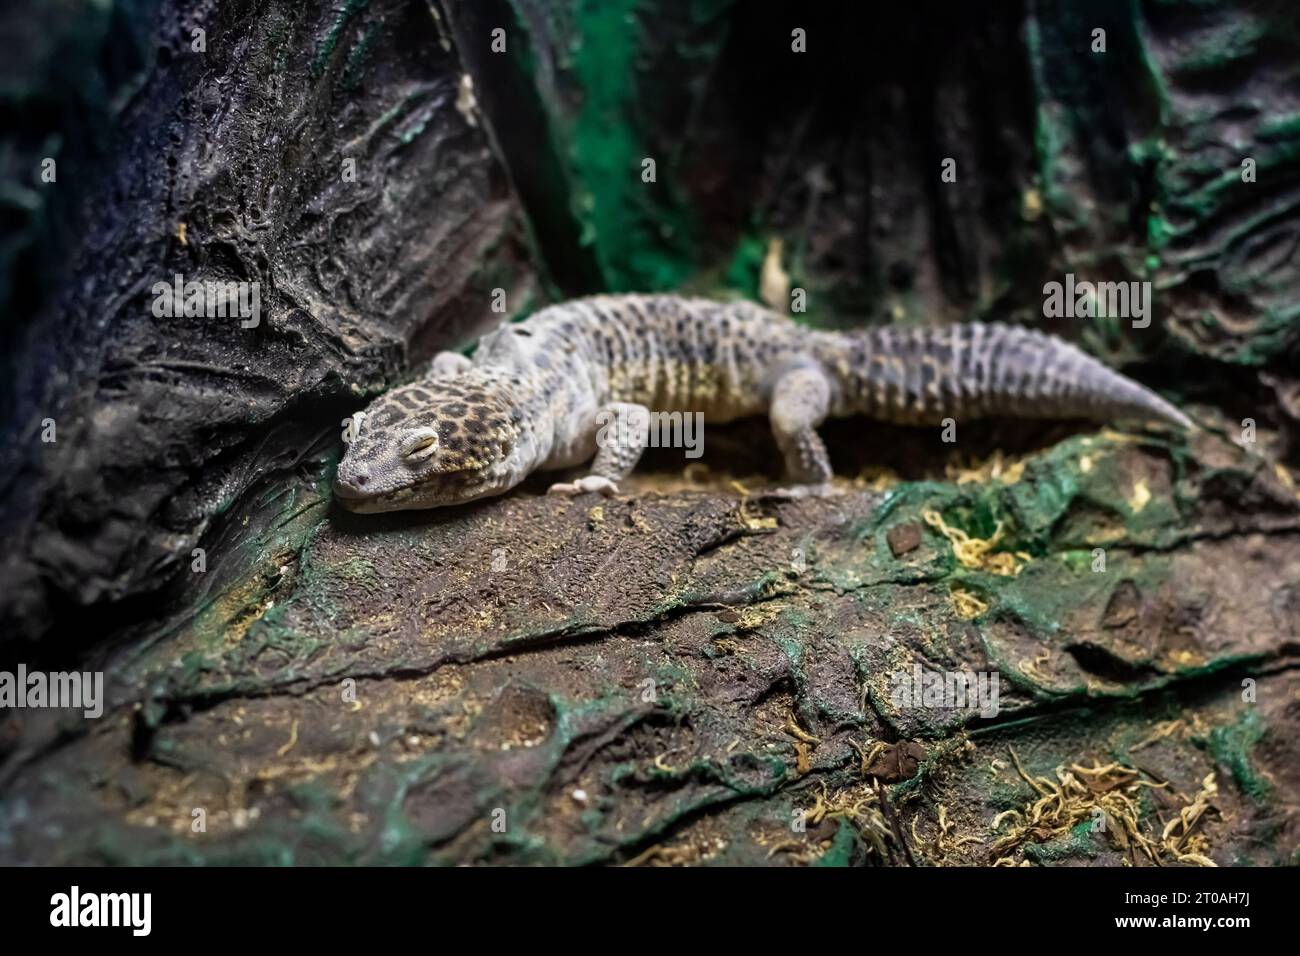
419,443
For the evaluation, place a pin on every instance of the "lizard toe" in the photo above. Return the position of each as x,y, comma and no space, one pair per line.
584,485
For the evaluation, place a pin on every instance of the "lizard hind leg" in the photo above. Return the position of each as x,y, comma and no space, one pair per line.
622,433
448,365
799,404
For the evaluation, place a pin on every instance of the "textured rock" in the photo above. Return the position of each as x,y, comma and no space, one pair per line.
671,675
229,164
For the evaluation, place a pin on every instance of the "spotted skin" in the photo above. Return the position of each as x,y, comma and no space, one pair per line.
532,396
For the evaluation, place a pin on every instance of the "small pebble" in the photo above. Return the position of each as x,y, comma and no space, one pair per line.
903,538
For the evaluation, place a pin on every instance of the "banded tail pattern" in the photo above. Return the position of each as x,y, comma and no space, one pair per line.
926,373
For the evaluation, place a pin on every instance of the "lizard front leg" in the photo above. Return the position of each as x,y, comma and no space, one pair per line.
800,401
622,433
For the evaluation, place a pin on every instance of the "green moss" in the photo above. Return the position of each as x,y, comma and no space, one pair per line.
746,265
1232,745
1159,232
1079,843
1236,39
843,844
641,232
325,49
358,55
1282,126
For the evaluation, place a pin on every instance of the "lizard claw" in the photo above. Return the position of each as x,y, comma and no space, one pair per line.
584,485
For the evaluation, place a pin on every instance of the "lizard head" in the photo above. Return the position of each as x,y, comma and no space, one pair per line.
433,443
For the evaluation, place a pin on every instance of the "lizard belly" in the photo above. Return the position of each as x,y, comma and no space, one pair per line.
709,390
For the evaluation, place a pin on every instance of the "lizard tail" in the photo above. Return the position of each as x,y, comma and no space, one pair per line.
924,374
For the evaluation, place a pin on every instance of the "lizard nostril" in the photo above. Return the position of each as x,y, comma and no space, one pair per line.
362,479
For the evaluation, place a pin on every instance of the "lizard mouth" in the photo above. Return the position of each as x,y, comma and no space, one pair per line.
347,491
425,494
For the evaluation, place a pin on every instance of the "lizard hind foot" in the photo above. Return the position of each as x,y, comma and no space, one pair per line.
822,489
584,485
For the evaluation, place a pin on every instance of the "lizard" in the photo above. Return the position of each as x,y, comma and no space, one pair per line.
534,393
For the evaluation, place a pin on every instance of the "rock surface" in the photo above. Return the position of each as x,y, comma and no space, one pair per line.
672,675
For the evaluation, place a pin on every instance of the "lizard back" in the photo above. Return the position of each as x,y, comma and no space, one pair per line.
722,359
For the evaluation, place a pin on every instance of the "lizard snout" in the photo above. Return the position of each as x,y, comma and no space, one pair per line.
351,483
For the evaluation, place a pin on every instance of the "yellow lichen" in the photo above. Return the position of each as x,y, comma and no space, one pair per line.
876,478
976,553
1141,495
748,521
794,730
995,468
774,281
1105,795
1031,205
967,605
1177,834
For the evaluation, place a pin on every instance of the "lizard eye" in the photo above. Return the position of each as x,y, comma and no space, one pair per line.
420,444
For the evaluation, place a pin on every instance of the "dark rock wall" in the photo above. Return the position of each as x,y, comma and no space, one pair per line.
229,164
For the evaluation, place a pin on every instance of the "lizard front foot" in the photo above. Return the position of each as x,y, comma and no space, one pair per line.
584,485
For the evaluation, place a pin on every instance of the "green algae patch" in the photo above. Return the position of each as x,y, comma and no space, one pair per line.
1233,745
746,266
842,849
1078,844
329,42
641,231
